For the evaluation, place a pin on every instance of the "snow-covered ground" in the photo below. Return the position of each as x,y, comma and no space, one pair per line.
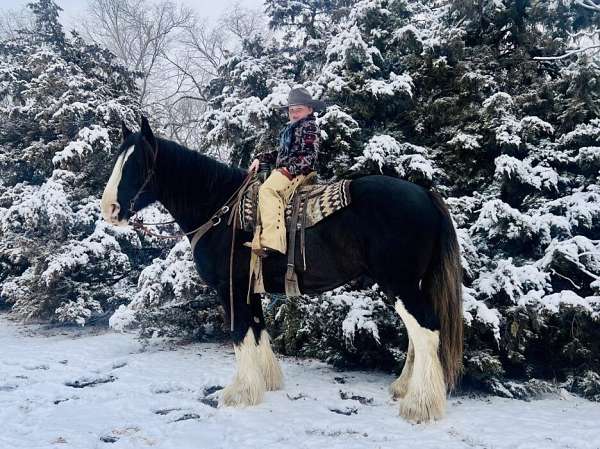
163,396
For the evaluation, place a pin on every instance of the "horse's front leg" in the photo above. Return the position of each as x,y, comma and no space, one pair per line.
269,366
257,369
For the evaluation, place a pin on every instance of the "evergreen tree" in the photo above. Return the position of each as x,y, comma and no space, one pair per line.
62,102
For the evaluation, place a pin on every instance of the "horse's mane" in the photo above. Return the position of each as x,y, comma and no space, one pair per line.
186,178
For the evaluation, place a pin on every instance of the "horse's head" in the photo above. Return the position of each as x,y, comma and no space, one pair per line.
130,187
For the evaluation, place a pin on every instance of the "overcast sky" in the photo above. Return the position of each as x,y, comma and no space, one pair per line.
73,8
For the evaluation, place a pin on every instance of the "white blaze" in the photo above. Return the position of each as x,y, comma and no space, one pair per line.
109,197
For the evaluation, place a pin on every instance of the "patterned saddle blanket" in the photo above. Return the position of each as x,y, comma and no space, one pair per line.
316,202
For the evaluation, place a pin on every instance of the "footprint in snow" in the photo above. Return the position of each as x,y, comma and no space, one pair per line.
349,396
210,390
36,367
209,398
131,432
345,411
118,365
90,381
168,387
165,411
187,416
296,396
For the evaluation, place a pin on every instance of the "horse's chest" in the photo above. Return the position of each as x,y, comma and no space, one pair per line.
207,269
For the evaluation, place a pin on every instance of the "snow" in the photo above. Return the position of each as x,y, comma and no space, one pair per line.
514,281
498,220
122,319
589,156
483,314
174,277
465,141
360,315
539,177
397,84
384,150
582,133
83,146
47,205
567,298
581,209
158,395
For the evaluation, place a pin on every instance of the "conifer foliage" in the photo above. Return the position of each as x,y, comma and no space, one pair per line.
61,105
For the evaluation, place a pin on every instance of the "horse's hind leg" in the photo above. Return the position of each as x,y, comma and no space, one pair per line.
425,392
267,361
399,387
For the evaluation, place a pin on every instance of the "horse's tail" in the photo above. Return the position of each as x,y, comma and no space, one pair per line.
443,286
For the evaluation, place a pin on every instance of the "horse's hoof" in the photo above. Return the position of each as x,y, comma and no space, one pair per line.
242,395
269,365
274,379
421,411
399,388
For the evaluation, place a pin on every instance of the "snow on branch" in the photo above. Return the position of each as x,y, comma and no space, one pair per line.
567,54
588,4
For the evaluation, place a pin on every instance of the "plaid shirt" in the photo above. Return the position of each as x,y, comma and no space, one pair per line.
298,147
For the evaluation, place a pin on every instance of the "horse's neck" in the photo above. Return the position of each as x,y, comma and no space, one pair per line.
192,186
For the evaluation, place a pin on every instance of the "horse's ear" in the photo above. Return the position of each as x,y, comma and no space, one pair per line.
147,132
125,131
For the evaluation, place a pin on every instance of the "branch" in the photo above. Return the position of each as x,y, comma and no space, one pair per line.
582,267
567,54
567,278
588,4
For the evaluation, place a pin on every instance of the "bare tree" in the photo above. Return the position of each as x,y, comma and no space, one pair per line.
139,32
203,48
242,22
12,20
176,53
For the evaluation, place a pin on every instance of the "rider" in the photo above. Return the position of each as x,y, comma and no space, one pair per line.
294,159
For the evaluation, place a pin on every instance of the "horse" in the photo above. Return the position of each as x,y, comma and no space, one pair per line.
395,232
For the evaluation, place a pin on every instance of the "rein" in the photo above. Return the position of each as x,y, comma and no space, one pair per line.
198,232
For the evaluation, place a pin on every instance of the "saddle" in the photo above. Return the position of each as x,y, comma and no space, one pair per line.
309,204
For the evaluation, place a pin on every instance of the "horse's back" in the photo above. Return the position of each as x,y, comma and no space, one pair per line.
389,198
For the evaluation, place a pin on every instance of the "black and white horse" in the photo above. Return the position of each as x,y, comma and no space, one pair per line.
395,232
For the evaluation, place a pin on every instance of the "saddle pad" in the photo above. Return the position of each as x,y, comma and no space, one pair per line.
320,201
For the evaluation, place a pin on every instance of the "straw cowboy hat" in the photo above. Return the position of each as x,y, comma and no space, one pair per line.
301,96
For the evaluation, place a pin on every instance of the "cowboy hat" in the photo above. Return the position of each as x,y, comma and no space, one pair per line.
301,96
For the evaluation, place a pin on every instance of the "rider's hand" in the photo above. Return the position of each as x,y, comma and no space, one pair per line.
254,166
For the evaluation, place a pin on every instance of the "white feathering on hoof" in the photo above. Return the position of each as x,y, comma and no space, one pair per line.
399,387
248,386
269,364
425,397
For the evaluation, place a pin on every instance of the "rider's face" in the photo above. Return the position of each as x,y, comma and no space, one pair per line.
298,112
